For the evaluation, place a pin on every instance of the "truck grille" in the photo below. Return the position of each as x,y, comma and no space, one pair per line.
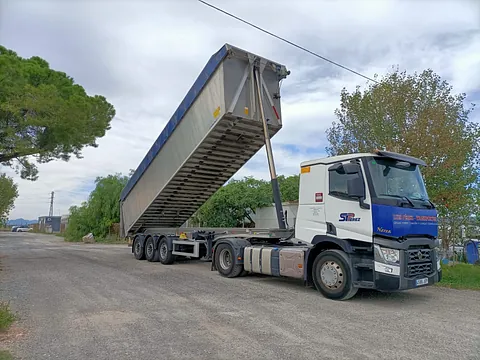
419,269
419,262
419,255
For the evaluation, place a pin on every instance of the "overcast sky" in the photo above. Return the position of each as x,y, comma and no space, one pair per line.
144,56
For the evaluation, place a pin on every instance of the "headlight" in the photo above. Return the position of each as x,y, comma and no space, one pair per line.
391,255
387,255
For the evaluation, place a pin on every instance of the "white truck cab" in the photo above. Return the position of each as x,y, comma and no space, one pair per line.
373,207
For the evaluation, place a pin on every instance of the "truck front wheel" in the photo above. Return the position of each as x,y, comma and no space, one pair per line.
226,261
332,275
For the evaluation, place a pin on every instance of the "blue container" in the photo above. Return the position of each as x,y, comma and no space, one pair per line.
471,251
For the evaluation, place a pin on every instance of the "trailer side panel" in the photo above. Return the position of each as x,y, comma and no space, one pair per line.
217,134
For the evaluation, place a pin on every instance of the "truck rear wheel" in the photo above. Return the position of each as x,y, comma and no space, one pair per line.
138,249
226,261
332,275
150,253
165,256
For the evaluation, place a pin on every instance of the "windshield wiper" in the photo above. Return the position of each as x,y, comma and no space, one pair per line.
402,198
430,206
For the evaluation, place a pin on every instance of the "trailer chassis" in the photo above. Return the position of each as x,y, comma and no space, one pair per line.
199,244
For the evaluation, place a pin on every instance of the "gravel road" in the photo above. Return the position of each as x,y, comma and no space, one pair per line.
79,301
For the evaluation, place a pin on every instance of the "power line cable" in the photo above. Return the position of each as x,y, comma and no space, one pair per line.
287,41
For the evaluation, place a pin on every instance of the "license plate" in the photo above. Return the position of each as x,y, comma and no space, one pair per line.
420,282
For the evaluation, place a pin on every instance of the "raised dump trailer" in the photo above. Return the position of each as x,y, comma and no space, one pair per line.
216,129
363,221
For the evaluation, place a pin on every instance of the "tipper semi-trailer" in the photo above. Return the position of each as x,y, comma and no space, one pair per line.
364,220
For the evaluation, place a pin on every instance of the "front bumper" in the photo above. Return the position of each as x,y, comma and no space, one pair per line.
410,272
384,282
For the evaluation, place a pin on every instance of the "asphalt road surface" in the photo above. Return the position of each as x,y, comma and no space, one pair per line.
79,301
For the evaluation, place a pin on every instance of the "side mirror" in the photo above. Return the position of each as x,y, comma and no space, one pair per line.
355,188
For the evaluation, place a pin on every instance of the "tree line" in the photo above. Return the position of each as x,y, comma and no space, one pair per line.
45,116
230,206
234,204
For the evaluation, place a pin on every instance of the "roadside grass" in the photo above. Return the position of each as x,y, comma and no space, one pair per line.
109,240
460,276
6,320
5,355
6,316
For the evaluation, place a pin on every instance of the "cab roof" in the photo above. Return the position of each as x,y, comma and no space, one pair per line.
376,153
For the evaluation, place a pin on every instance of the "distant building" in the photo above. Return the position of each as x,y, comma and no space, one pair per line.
266,218
49,224
64,223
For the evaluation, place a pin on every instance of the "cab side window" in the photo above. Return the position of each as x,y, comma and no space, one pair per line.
337,183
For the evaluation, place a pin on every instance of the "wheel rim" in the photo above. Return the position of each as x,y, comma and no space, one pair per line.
137,247
225,259
331,275
149,249
163,250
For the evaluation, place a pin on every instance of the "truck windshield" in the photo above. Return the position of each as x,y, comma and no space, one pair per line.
397,179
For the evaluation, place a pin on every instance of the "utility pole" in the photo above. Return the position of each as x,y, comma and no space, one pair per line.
50,213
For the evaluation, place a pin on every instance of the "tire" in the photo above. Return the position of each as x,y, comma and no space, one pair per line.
139,249
165,256
150,253
244,273
332,275
226,262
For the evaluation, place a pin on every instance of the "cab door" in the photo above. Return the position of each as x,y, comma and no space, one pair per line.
348,216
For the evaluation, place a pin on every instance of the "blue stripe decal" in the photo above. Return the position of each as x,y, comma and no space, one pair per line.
397,221
192,94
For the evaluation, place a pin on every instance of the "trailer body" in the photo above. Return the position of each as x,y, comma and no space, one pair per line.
213,133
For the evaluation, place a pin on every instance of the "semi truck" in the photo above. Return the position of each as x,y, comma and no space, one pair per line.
364,220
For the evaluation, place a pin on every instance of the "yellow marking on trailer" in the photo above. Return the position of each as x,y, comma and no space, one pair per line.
216,112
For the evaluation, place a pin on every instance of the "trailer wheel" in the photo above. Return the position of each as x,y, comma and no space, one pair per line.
164,255
138,249
226,261
150,253
332,275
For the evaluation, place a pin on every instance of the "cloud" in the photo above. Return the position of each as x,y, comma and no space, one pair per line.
144,56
